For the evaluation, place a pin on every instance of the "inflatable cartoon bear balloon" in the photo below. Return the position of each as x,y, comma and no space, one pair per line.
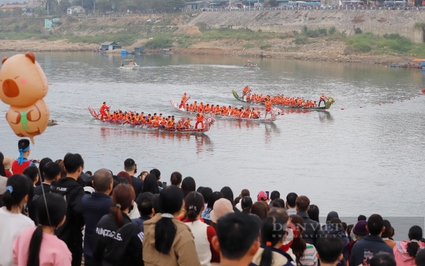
23,86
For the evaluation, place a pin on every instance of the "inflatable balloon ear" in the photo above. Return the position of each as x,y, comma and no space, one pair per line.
23,86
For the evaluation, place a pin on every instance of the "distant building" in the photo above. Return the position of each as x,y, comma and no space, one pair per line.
6,8
110,46
75,10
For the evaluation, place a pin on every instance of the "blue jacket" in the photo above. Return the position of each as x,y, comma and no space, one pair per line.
94,207
366,248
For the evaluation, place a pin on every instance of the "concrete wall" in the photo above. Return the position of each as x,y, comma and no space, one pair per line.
376,21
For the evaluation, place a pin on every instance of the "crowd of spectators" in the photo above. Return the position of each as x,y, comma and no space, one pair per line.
54,213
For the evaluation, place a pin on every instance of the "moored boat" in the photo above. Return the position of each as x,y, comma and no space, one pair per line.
208,121
329,101
253,115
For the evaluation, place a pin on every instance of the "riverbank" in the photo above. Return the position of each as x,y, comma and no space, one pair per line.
321,50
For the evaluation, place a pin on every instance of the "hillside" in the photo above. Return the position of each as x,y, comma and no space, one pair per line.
250,34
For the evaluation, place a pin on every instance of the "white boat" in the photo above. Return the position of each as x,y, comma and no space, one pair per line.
129,64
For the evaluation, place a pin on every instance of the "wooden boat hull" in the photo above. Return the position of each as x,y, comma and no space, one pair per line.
271,118
237,97
208,122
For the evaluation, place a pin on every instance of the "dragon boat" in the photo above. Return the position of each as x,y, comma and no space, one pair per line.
273,114
208,121
329,102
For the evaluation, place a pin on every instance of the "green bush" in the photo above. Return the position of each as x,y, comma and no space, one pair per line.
301,40
159,42
248,46
265,46
358,31
332,30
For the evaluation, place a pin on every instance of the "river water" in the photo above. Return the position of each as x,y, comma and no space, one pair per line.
365,155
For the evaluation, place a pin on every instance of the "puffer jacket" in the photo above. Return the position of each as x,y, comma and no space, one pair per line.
401,255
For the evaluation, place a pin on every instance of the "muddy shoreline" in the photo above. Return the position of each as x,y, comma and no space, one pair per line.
326,51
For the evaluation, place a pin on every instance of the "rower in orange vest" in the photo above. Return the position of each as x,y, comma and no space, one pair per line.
322,99
268,107
102,110
245,91
184,100
199,120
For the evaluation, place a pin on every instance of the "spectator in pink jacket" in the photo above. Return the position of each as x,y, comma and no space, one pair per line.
405,251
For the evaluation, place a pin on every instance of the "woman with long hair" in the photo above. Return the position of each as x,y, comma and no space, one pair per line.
12,221
203,233
167,240
405,251
305,253
150,184
176,179
273,233
38,245
117,241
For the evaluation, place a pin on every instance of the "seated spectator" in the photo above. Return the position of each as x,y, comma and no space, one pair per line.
237,238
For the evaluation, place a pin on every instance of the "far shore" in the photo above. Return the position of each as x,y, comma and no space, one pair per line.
329,51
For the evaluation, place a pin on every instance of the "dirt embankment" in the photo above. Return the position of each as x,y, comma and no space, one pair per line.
318,50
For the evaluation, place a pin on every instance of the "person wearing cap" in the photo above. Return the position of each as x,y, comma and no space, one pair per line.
221,207
358,233
19,165
372,243
262,196
131,168
236,239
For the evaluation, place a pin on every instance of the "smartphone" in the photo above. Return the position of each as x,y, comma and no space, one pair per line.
268,192
164,184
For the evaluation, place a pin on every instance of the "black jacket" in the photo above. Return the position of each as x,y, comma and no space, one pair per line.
312,231
118,246
137,185
72,192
